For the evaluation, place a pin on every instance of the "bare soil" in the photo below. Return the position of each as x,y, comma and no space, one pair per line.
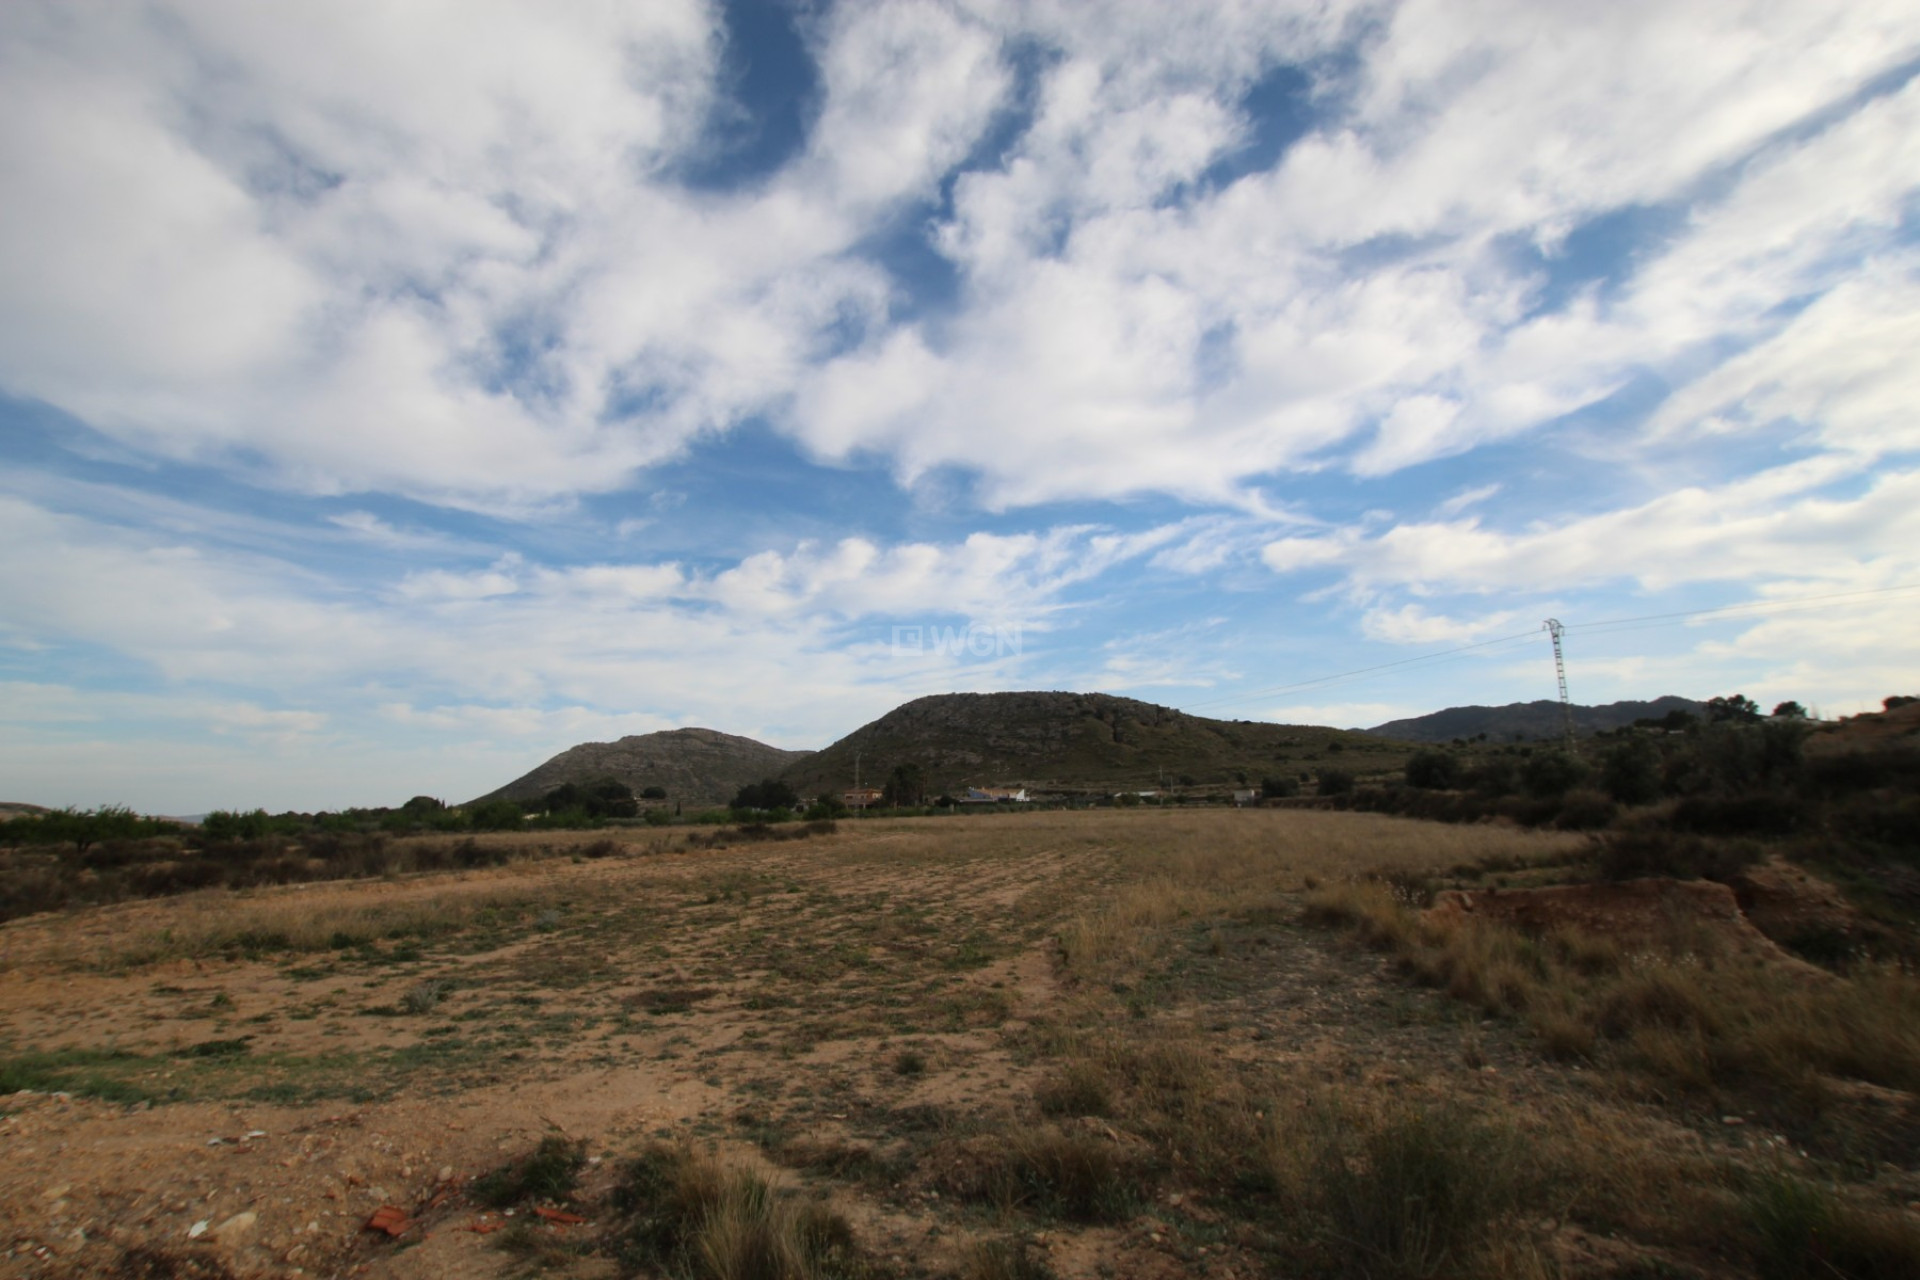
845,1013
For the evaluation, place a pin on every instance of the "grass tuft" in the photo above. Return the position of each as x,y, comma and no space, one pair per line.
692,1216
550,1173
1800,1230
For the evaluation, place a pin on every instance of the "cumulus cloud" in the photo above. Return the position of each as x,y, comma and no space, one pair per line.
487,285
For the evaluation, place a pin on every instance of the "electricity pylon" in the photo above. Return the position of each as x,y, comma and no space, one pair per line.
1554,629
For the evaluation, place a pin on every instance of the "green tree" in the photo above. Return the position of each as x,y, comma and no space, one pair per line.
1736,709
766,794
1279,786
906,786
1790,711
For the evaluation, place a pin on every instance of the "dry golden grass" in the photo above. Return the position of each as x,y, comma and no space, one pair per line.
294,918
1683,1010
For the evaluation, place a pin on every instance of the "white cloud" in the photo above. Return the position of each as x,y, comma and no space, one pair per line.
1412,624
443,253
1772,526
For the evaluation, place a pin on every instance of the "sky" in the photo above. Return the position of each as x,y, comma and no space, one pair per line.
392,396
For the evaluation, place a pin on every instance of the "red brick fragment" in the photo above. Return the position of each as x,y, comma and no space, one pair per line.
390,1219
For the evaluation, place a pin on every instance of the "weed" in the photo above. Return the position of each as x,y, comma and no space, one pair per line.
692,1216
424,997
1081,1088
663,1000
550,1172
1412,1190
909,1062
1054,1173
1003,1260
1799,1230
76,1071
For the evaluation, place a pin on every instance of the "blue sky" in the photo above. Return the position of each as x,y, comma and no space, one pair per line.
392,396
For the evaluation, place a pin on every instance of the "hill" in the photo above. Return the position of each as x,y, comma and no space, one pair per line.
1519,720
19,809
1076,742
696,767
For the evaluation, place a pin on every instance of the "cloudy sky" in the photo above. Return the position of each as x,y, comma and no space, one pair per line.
392,395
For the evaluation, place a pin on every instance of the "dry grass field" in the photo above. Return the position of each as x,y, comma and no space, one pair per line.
1142,1043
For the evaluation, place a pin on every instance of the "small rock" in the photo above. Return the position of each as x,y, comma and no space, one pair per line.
199,1228
54,1193
446,1173
236,1227
1733,1120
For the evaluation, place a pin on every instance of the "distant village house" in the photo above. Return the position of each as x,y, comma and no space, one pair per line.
994,795
860,797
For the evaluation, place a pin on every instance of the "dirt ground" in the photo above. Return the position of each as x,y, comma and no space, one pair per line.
831,1011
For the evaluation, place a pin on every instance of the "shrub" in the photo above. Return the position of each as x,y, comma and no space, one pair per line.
1336,782
689,1215
1494,776
769,793
1584,810
1079,1089
1548,775
1412,1191
1630,771
1003,1260
1279,786
1800,1230
549,1173
497,815
1053,1172
1433,770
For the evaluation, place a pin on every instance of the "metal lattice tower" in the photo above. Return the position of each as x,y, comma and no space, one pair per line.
1555,630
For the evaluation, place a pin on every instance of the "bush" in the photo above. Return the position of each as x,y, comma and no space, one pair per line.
1494,776
1335,782
549,1173
1630,771
1054,1173
1433,770
769,793
1413,1191
1279,786
497,815
1079,1089
1584,810
692,1216
1548,775
1799,1230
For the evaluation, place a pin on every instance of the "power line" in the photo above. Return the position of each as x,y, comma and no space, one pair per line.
1752,606
1361,671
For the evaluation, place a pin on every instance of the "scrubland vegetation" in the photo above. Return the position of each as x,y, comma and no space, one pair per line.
1295,1041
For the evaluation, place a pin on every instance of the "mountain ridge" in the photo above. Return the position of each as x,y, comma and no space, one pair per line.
1541,718
695,766
1065,741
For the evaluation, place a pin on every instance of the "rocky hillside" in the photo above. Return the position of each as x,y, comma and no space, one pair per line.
696,767
1525,720
1077,742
